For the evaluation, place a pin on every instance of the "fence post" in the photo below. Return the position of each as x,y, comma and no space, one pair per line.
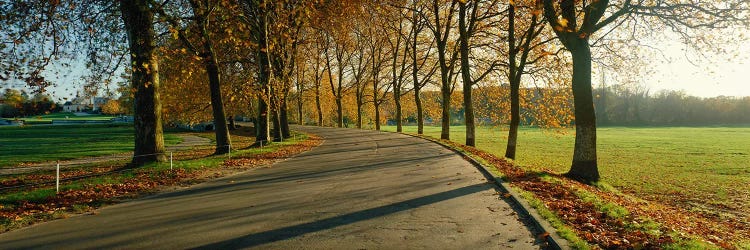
230,151
57,179
170,160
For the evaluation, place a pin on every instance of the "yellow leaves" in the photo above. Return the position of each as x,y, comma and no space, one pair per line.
563,22
174,32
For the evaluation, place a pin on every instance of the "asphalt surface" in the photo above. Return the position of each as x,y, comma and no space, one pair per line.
359,190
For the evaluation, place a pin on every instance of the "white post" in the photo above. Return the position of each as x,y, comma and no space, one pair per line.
261,145
230,151
170,160
57,179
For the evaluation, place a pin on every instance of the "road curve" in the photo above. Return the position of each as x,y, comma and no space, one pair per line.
359,190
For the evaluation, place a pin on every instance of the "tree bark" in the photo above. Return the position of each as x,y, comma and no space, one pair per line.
515,119
397,101
339,113
420,112
217,104
359,110
262,133
466,76
317,105
584,167
510,149
300,119
149,139
211,64
284,119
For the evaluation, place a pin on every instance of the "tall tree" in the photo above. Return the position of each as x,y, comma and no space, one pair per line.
359,64
574,23
520,46
418,23
398,63
441,25
203,11
40,32
149,139
468,21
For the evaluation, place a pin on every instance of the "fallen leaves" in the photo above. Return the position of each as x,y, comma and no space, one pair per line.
126,184
588,222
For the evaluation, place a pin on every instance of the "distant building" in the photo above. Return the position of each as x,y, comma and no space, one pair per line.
79,104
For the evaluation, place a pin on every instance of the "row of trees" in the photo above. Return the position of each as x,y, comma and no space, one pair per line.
628,105
239,56
15,103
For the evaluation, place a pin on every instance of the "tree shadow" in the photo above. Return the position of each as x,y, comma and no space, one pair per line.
289,232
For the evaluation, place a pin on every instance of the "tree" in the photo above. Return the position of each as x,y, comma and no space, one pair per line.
359,64
138,17
376,44
398,67
418,23
519,48
202,14
575,22
44,31
467,26
441,31
112,107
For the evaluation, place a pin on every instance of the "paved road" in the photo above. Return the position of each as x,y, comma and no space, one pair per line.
359,190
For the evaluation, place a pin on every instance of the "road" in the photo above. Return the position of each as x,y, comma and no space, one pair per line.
359,190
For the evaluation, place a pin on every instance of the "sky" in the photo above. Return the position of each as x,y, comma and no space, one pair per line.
723,74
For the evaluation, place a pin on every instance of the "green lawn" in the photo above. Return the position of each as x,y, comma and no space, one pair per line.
704,168
49,143
47,119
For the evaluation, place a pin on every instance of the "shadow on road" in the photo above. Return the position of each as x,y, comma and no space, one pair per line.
260,238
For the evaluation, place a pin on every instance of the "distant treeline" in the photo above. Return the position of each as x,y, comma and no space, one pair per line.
620,105
14,103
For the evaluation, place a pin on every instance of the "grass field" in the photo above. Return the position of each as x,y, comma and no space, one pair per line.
67,116
703,168
47,143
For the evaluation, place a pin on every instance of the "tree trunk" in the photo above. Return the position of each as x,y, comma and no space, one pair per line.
339,112
300,119
149,138
397,101
377,117
232,125
510,149
317,105
359,111
420,116
276,126
466,76
515,119
584,167
217,105
214,83
262,133
285,133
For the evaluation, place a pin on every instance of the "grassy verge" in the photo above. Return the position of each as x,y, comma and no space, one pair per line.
23,208
619,218
30,144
